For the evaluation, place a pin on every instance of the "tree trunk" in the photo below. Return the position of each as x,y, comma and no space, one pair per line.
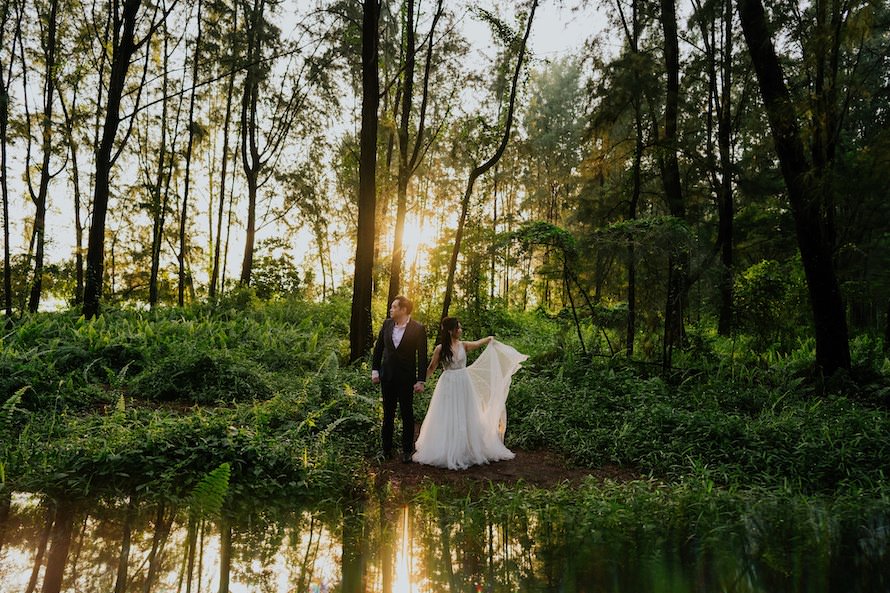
727,202
395,270
360,333
123,48
633,31
5,82
814,230
39,199
159,195
250,154
678,261
159,537
183,215
215,272
406,165
481,169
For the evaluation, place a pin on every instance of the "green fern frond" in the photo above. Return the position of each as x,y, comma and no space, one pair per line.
209,494
8,410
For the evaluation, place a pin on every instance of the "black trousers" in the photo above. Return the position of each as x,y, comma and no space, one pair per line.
401,394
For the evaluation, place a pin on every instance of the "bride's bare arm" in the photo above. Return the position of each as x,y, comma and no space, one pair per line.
478,343
434,362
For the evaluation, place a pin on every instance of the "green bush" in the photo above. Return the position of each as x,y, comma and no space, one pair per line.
202,377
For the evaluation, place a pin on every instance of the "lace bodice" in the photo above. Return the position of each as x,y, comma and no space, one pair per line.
458,359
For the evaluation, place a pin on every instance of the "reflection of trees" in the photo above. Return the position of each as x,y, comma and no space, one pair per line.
62,529
41,548
353,552
5,504
454,545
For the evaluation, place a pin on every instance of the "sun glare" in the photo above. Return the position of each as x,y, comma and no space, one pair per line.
417,239
402,581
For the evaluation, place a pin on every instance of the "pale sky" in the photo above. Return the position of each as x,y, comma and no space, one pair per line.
558,31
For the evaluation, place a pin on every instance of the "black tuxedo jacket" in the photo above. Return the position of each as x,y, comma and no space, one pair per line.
408,362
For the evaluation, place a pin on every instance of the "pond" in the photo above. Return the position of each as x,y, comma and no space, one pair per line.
429,542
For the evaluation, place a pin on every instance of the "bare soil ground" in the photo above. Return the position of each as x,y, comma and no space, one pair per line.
543,469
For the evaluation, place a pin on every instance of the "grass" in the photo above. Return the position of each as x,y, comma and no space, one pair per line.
149,402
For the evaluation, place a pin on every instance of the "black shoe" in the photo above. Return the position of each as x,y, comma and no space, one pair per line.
406,458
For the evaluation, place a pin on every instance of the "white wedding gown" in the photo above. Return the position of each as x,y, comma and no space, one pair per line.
467,417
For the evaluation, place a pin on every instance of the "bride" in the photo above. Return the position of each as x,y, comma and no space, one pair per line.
467,417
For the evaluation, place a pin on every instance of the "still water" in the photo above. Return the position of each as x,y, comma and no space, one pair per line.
425,545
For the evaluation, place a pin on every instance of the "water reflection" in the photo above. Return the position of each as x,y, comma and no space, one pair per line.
428,546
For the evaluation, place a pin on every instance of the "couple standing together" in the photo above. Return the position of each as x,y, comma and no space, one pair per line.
466,419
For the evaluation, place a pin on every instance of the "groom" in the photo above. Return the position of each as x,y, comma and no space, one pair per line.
399,366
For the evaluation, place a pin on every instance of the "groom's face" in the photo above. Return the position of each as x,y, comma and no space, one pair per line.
396,311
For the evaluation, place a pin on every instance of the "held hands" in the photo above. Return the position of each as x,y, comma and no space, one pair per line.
418,387
375,377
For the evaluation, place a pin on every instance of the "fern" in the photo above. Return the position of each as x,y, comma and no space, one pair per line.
207,498
8,410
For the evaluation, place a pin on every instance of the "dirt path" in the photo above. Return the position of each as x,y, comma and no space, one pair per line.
543,469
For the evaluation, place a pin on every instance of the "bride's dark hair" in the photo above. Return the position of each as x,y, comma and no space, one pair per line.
448,325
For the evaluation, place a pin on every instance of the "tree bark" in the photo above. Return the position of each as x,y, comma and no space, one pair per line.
727,201
406,165
678,261
123,48
250,153
481,169
159,193
215,272
183,215
360,333
5,82
39,199
814,230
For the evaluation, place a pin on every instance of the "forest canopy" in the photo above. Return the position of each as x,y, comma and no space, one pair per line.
693,169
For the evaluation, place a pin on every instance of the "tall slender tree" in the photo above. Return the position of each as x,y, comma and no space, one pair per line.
813,222
360,331
183,213
49,29
678,260
481,169
7,60
407,165
123,46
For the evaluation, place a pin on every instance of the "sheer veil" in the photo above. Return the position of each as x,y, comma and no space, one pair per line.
491,375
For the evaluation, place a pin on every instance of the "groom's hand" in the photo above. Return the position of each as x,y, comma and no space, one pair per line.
375,377
418,387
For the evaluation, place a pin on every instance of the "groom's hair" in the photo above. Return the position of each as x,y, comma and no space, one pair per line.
405,303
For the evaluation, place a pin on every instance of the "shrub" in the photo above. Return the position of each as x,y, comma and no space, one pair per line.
203,377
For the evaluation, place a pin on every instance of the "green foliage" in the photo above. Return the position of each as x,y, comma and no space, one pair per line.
208,495
769,300
764,429
130,402
202,377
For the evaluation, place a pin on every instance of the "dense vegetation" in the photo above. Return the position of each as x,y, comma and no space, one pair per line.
147,403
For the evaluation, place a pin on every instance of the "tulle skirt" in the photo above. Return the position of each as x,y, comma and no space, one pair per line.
466,419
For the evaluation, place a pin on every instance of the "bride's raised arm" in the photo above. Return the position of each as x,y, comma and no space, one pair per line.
434,362
478,343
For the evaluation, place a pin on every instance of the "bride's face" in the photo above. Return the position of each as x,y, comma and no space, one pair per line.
457,332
